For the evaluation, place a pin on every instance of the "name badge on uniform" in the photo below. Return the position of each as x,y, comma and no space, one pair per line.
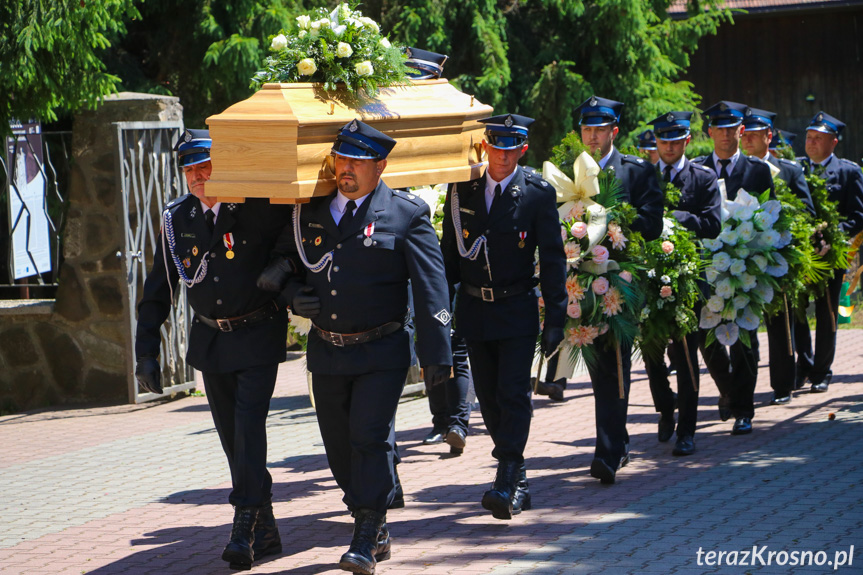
467,211
370,229
229,244
314,225
521,237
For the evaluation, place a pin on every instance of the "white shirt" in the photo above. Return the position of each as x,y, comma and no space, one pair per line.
490,185
340,204
675,168
605,159
214,209
730,167
826,162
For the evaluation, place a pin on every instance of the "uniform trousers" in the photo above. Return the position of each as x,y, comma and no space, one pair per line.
783,368
356,416
735,373
448,402
239,402
501,378
612,439
687,388
818,366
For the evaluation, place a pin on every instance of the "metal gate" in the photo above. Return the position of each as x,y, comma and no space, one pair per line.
149,179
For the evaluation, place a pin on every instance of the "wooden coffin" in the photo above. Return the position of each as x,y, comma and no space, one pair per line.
276,144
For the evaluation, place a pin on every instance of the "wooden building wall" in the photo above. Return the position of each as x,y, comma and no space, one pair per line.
775,60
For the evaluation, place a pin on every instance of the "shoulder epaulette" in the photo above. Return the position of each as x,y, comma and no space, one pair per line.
849,163
175,203
702,167
756,160
408,197
632,159
789,162
699,160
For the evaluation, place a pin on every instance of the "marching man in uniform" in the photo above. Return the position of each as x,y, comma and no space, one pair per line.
238,332
356,249
492,228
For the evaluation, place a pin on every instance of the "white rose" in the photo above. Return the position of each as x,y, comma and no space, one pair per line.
302,34
344,50
370,24
340,29
364,68
306,67
324,23
304,22
385,43
279,42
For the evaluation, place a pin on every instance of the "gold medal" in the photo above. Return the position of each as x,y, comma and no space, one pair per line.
229,254
194,250
521,243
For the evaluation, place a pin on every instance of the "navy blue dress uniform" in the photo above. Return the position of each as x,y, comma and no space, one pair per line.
698,211
490,255
359,348
735,373
780,328
238,332
449,404
641,189
844,183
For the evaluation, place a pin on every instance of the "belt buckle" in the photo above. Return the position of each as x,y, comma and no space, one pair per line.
224,325
487,293
336,339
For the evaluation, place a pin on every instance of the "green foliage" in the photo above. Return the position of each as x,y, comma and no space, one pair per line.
338,49
830,242
50,55
671,290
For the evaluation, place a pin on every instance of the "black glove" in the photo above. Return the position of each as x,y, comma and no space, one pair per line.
436,374
551,338
274,275
305,304
149,374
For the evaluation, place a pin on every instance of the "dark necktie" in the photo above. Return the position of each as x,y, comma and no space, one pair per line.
211,220
818,170
348,216
667,176
496,196
723,172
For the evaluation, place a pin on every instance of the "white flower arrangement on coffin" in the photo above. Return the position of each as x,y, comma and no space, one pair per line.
435,197
341,48
743,268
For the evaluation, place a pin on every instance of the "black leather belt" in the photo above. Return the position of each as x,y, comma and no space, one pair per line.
235,323
496,293
343,339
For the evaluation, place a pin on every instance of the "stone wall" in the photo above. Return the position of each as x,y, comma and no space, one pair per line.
78,348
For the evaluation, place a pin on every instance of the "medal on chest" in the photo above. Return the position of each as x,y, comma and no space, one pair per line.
370,229
229,244
521,237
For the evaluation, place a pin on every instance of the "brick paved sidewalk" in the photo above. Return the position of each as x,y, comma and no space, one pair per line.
142,490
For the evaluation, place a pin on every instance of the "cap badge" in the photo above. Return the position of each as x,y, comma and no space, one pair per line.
723,106
508,122
819,117
353,127
670,117
187,136
593,101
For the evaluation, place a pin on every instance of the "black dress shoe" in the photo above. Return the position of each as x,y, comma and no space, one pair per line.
724,408
780,399
238,552
498,499
685,446
742,426
434,437
267,539
800,382
602,471
666,427
370,544
521,495
553,390
818,387
456,438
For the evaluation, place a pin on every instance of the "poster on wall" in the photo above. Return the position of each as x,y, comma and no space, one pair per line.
28,218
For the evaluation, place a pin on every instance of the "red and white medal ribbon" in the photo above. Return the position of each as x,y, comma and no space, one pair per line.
370,229
229,244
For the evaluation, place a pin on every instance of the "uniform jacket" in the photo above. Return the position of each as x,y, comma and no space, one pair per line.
845,187
641,190
700,201
525,212
366,286
228,289
792,174
750,174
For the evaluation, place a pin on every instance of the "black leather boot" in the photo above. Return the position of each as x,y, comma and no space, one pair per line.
238,552
399,494
521,495
371,543
267,539
498,499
